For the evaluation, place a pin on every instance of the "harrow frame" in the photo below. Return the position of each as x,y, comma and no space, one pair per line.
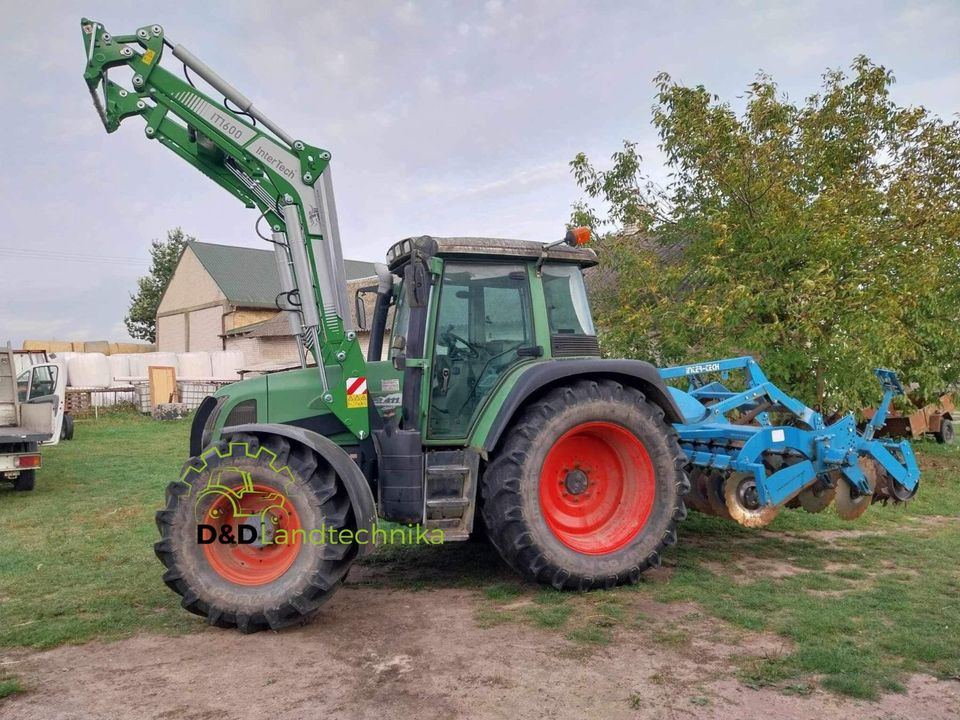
733,431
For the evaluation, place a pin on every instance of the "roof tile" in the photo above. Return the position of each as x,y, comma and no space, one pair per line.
248,276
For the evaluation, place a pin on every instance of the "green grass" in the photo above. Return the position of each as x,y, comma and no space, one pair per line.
857,611
10,686
590,635
549,616
77,552
889,605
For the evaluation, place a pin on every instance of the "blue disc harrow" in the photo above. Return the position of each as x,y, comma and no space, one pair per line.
755,450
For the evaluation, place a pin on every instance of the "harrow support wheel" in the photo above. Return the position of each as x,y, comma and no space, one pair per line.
587,488
742,503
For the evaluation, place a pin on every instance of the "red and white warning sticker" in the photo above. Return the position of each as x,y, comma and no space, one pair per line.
356,392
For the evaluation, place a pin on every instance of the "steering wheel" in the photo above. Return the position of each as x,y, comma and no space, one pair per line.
451,339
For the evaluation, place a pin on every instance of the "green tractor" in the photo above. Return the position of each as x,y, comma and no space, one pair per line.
490,411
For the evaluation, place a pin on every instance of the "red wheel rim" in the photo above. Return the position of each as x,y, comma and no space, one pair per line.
258,563
597,487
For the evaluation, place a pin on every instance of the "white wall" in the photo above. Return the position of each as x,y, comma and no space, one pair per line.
172,333
206,326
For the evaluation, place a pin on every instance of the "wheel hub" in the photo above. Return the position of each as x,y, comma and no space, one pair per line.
597,487
576,482
265,510
747,495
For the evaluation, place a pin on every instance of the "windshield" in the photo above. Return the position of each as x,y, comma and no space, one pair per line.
568,310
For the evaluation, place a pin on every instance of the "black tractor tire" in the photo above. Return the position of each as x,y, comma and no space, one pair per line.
66,430
595,442
227,586
25,480
946,435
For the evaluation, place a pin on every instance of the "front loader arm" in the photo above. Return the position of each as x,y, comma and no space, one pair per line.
249,156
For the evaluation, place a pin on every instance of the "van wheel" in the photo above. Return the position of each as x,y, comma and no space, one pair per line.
66,430
25,480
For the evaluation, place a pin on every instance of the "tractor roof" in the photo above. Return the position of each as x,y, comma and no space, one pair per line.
399,253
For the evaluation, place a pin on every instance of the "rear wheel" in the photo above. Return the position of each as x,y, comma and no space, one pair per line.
66,429
25,480
587,488
284,501
946,434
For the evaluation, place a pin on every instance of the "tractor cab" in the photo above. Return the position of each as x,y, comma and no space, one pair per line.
474,309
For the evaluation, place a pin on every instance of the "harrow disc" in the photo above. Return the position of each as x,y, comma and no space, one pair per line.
742,503
817,497
715,500
851,504
696,499
887,488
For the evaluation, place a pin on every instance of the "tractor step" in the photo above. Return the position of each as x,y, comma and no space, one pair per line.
450,481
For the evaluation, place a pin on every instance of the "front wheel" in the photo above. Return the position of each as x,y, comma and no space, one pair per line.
251,533
587,489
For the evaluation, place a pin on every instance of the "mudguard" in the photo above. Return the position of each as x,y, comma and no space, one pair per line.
361,498
635,373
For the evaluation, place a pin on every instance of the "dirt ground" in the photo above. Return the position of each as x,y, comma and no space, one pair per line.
374,653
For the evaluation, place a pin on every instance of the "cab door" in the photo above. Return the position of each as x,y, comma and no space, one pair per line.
484,326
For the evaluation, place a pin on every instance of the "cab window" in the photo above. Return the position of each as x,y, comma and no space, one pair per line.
568,310
43,381
36,382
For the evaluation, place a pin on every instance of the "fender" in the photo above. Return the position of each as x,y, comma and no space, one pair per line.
635,373
361,498
208,405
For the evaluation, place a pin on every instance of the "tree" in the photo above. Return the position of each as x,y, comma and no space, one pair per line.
142,319
822,237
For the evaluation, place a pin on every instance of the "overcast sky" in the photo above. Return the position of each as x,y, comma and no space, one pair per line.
444,118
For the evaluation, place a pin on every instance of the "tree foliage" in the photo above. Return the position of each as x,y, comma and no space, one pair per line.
821,237
141,320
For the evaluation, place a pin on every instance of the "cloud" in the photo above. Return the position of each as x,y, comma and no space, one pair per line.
517,181
443,117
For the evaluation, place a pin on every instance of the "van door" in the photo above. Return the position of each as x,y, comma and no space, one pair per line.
45,383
